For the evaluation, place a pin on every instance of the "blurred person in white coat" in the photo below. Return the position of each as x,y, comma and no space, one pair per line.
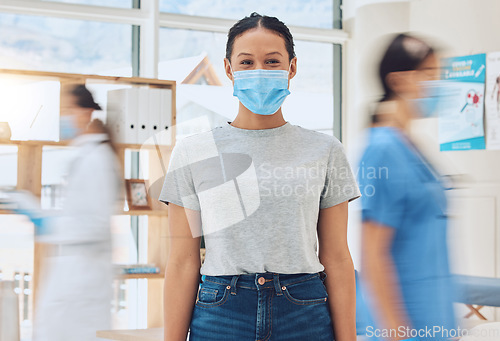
75,294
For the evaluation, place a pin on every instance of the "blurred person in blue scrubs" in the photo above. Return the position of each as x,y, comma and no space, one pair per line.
75,293
405,273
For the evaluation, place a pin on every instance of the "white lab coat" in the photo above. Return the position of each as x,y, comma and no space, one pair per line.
75,291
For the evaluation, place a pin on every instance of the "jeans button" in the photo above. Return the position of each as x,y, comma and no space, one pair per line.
261,280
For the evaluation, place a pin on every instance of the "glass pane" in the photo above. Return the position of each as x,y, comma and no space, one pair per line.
106,3
310,103
183,51
312,13
204,94
64,45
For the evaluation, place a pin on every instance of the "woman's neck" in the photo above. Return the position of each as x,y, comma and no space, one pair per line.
395,113
249,120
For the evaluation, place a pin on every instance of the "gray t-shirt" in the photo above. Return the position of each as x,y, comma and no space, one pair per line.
259,193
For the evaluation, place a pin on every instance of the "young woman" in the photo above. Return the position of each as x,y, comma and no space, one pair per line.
405,272
262,191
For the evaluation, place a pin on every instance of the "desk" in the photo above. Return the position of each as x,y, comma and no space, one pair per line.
151,334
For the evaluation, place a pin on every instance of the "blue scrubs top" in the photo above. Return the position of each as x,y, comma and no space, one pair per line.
402,191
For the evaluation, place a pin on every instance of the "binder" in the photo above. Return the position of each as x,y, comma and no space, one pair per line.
122,108
154,116
143,116
166,117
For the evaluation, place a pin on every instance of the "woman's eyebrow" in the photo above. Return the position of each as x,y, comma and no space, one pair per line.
249,54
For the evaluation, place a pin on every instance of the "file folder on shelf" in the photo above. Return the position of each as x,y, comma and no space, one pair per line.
143,116
122,116
166,117
154,116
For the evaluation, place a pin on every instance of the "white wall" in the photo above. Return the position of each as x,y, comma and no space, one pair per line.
465,27
461,27
369,21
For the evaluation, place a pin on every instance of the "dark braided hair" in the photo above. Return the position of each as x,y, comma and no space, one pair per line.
256,20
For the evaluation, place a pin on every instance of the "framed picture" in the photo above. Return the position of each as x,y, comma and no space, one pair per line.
137,194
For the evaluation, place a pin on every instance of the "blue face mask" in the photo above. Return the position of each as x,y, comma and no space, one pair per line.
261,91
68,129
428,104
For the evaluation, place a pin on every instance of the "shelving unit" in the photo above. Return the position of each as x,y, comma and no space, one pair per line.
29,177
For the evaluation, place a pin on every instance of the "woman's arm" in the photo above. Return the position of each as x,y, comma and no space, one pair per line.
380,275
340,281
182,272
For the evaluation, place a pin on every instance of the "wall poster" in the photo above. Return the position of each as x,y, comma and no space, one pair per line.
462,104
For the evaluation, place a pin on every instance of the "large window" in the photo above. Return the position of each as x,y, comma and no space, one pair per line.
113,47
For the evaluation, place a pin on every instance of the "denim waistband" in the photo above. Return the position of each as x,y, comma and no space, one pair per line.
253,281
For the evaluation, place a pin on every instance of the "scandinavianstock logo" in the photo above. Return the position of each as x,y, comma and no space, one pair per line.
230,186
177,171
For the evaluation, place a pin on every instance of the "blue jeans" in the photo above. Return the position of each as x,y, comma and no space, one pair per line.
262,307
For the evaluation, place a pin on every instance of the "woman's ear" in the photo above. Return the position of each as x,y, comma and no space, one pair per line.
227,69
293,68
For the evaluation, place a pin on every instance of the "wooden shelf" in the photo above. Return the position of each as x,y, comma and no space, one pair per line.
150,334
143,146
34,143
66,143
146,212
96,78
161,213
141,276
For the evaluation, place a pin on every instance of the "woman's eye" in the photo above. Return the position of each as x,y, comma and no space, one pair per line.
273,61
246,62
